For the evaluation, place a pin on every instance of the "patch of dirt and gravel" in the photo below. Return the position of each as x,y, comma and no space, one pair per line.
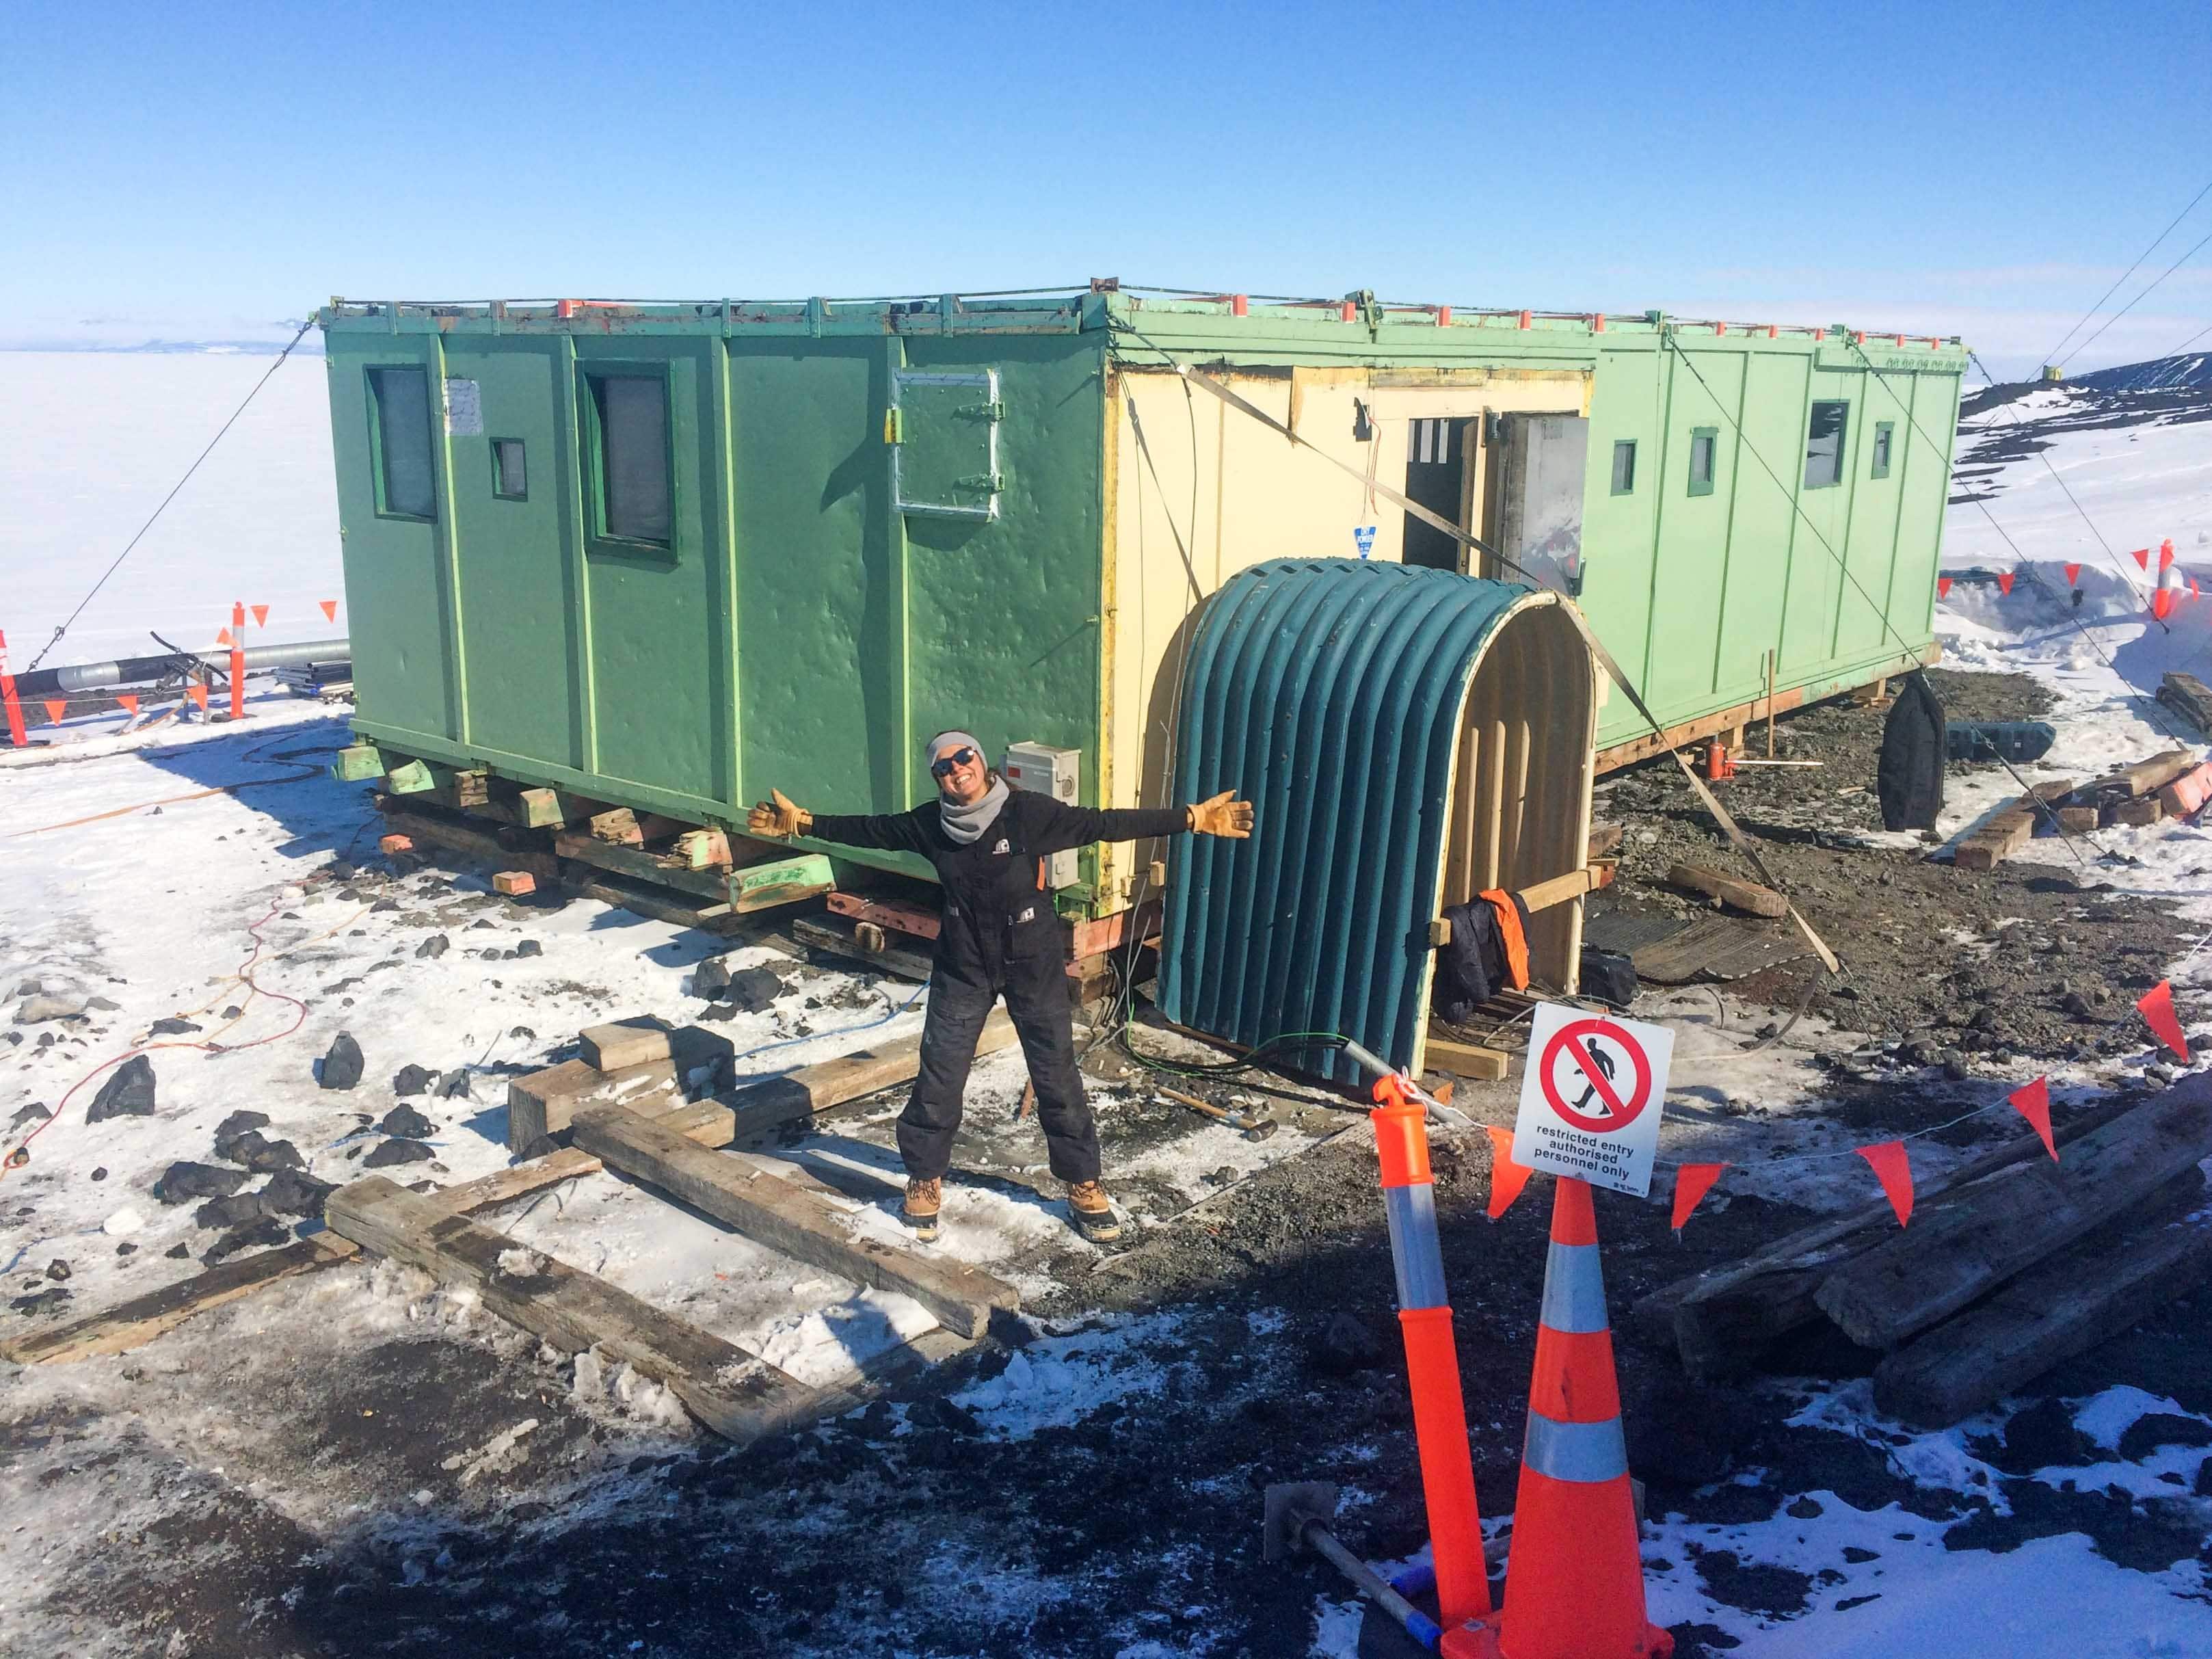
2038,959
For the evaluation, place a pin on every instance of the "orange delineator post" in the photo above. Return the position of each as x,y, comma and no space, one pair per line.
7,696
237,661
1574,1581
1401,1143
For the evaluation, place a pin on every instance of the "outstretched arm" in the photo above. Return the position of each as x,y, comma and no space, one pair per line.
781,818
1065,827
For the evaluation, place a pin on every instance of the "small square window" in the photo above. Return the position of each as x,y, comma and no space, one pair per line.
406,473
510,471
1883,431
1624,467
1705,446
1824,445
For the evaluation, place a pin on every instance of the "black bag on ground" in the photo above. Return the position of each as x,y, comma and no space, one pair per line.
1608,976
1909,779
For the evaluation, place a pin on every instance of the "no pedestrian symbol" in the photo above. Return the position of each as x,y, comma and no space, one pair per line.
1590,1098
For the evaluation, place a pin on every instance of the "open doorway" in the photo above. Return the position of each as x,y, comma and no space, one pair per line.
1436,476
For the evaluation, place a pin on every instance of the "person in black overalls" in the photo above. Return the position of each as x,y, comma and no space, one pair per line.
1000,937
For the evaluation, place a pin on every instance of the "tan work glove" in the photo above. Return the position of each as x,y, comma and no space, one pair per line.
1221,815
778,820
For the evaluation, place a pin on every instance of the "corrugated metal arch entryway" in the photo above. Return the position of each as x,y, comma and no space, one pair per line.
1407,736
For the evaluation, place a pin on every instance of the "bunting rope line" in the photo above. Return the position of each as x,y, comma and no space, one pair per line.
1606,659
2025,563
1796,507
72,617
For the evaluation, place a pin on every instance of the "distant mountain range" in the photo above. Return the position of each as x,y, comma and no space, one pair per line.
2191,368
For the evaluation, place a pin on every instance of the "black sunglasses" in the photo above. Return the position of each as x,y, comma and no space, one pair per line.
943,765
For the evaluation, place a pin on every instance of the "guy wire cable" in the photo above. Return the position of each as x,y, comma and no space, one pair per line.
2052,355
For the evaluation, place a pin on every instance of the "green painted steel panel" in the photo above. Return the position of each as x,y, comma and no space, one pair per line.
520,621
1327,693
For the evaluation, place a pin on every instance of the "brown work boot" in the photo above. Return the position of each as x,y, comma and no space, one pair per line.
924,1199
1092,1212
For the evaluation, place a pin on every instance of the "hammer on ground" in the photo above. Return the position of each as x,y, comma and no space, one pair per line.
1252,1128
1297,1515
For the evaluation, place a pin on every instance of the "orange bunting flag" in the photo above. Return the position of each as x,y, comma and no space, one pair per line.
2073,576
2166,553
129,702
2004,583
57,710
198,693
2032,1102
1507,1178
2156,1007
2193,593
2141,556
1895,1174
223,637
260,615
329,609
2161,603
1692,1182
1943,587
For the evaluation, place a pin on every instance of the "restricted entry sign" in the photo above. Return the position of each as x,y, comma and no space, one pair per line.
1590,1097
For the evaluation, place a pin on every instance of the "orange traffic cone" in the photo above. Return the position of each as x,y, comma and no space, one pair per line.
1574,1582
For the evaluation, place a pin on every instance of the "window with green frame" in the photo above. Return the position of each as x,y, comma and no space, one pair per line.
629,474
510,470
1705,450
400,445
1884,433
1624,467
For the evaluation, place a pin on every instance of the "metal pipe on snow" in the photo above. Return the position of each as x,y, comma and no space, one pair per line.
132,670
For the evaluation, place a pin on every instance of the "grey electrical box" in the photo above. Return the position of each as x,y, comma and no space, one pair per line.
1055,772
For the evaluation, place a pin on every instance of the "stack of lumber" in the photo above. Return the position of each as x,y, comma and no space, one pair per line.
2011,1265
2011,826
2170,784
2190,697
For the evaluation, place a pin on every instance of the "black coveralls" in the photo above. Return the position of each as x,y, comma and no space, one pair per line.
1000,935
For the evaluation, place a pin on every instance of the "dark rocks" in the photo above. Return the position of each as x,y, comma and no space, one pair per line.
41,1302
411,1081
241,1210
236,1125
102,1004
177,1252
710,978
937,1413
99,1172
752,989
57,1270
455,1085
127,1093
1345,1344
183,1181
404,1123
262,1155
342,1066
2154,1429
530,947
126,1248
289,1192
1805,1509
29,1113
432,947
255,1236
396,1151
523,1033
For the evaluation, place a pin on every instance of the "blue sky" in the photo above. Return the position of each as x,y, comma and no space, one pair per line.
200,172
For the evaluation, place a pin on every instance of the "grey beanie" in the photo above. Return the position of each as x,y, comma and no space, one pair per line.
944,742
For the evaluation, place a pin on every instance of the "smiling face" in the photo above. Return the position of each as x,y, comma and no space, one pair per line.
966,780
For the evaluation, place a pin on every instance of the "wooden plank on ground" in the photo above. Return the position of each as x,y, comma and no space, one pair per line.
839,937
2063,1306
629,1042
787,1218
543,1103
774,1101
910,918
131,1324
2010,828
739,1396
1748,897
473,840
1722,1320
2144,778
1930,1270
662,904
710,885
1466,1059
2148,811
